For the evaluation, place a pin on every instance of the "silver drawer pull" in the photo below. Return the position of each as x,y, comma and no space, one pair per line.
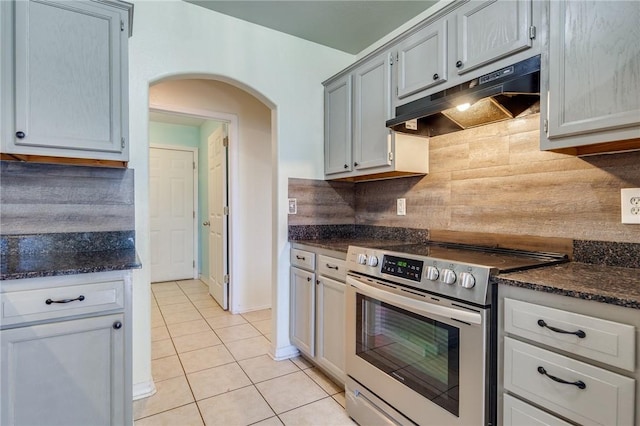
79,298
330,266
579,384
581,334
299,257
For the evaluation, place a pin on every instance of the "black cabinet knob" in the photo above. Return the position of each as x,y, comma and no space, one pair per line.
355,164
117,325
20,135
459,64
346,166
436,76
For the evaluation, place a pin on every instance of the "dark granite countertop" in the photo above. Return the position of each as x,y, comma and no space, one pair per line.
606,284
46,255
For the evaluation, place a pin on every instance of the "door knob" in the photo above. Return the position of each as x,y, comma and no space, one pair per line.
207,223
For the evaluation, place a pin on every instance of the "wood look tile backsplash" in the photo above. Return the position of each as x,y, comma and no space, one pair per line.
494,179
53,198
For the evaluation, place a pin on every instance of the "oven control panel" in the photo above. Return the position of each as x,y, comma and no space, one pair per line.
409,269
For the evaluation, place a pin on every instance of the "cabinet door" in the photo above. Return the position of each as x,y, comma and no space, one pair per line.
64,373
330,326
337,126
594,68
422,60
490,30
518,413
372,139
303,310
68,76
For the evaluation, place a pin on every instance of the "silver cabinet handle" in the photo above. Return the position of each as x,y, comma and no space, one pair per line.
207,223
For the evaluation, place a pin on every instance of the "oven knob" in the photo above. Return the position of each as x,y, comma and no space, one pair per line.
432,273
448,276
373,261
467,280
362,259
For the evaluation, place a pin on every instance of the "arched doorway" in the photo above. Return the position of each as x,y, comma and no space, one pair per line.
250,170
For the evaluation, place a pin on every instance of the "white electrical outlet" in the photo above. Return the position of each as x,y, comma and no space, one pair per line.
293,206
401,206
630,205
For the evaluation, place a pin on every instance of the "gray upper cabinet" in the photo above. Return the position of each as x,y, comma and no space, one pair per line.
372,108
358,145
70,74
591,75
337,126
464,41
422,59
490,30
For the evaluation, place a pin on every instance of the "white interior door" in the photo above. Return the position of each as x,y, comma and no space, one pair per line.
218,218
171,201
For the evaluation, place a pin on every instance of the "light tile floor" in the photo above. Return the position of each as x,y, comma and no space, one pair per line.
211,368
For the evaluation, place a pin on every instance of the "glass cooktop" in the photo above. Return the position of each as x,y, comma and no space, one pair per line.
504,260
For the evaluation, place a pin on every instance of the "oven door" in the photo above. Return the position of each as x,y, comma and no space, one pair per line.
423,355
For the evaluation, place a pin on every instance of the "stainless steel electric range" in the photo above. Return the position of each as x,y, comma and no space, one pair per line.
421,333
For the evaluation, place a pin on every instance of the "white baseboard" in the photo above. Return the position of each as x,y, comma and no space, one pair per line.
253,308
284,353
143,390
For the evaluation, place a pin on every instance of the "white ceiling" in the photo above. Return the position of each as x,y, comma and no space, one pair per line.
347,25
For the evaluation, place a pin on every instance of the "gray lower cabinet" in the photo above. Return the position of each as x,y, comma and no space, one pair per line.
317,311
565,361
64,373
302,318
330,326
66,82
65,350
591,75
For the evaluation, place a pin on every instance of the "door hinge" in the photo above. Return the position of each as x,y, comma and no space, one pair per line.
225,279
390,156
194,215
121,25
122,142
194,263
396,90
546,126
225,142
532,32
225,210
194,165
391,59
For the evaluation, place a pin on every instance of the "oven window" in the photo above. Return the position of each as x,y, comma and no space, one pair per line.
419,352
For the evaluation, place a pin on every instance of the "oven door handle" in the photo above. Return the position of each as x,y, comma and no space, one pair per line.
423,308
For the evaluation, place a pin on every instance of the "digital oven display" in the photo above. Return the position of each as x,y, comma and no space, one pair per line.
404,268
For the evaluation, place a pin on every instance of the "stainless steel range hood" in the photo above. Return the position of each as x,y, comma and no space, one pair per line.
500,95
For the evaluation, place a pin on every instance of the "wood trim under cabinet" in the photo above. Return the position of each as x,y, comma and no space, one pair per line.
602,148
64,160
521,242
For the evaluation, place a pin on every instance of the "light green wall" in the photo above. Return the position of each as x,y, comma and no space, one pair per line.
193,137
173,134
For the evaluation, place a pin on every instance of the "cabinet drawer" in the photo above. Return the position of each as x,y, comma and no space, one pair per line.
37,305
303,259
518,413
332,267
609,342
606,399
